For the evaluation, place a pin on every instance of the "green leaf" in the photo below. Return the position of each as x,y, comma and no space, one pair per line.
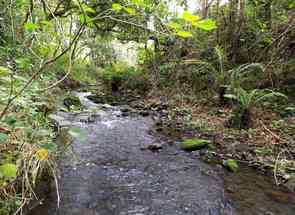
174,25
8,170
140,3
86,19
29,26
88,9
130,10
3,137
184,34
4,71
45,22
187,16
206,24
10,120
117,7
23,62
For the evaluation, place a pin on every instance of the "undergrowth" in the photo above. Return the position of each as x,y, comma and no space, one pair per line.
27,149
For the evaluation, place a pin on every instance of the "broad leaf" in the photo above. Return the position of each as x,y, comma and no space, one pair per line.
29,26
3,137
187,16
8,170
174,25
4,71
206,25
140,3
184,34
88,9
117,7
130,10
45,22
23,62
86,19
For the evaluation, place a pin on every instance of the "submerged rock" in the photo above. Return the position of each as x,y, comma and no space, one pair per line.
153,147
194,144
125,108
144,113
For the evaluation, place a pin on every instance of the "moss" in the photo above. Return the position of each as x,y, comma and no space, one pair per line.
194,144
231,165
72,102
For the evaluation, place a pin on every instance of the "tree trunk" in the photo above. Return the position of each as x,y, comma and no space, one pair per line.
221,93
232,29
217,17
268,14
205,8
241,118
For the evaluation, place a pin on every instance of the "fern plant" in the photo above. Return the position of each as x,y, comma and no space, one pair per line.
241,73
245,101
226,80
218,71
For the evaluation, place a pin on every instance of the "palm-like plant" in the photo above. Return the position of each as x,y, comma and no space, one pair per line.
246,100
241,73
226,80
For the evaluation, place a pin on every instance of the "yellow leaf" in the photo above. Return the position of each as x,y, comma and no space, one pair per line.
206,24
130,10
42,154
184,34
187,16
117,6
174,25
4,71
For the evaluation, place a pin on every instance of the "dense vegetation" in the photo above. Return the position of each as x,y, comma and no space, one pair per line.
226,67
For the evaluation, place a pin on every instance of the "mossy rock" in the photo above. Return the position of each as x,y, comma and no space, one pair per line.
231,164
72,102
194,144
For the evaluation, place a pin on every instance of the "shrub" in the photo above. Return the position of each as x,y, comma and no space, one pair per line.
120,76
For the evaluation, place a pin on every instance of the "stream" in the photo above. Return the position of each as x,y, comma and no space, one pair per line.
111,171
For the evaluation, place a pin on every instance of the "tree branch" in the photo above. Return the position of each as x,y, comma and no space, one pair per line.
40,70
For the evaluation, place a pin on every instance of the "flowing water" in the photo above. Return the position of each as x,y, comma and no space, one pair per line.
110,171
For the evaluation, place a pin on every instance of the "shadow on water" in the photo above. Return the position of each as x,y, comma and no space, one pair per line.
252,192
109,173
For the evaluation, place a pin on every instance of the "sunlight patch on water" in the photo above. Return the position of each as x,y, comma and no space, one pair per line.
109,123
